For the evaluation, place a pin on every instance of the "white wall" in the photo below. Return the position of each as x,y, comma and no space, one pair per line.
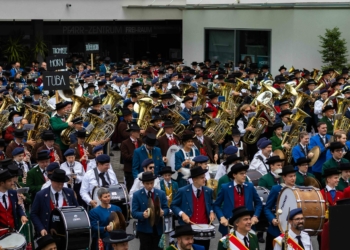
294,33
84,10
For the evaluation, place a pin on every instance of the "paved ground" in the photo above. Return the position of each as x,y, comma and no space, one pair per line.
134,245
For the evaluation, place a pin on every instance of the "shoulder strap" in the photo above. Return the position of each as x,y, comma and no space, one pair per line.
96,176
262,160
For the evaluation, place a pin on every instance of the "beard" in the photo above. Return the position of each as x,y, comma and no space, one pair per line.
300,227
185,247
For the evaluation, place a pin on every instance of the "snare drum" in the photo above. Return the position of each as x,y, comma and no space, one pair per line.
203,231
254,176
14,241
310,200
71,226
119,197
263,222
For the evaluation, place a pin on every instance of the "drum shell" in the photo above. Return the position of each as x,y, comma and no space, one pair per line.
263,221
8,240
203,231
310,200
72,228
254,176
168,223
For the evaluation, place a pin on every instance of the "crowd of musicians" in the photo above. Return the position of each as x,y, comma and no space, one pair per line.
171,122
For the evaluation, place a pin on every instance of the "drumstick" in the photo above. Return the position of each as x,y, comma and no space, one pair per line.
195,224
20,228
3,229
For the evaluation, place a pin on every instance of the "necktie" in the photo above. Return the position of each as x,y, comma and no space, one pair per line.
299,241
4,200
239,189
198,193
136,144
169,184
56,197
103,179
246,241
332,192
149,194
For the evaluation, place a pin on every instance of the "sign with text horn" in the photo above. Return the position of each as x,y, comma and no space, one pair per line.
55,62
56,80
59,50
93,47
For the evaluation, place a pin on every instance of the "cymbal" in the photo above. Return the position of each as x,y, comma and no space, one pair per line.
122,221
114,220
151,212
310,181
157,209
279,153
316,151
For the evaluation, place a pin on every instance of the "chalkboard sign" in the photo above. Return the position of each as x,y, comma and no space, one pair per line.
92,47
56,80
55,62
59,50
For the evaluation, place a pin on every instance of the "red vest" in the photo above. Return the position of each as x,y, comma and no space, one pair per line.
6,217
215,109
199,215
52,155
237,198
172,141
81,153
52,206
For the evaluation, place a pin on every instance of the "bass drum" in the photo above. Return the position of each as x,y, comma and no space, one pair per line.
71,228
170,155
263,222
119,197
254,176
13,241
310,200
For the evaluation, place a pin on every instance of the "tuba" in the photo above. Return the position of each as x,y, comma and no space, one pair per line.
301,99
176,119
101,129
144,111
342,122
336,94
289,91
79,102
219,130
257,122
41,122
201,96
241,85
75,89
267,86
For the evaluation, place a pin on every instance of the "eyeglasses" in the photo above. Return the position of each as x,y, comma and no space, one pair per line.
247,111
299,219
151,167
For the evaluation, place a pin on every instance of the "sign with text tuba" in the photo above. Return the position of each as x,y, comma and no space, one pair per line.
56,80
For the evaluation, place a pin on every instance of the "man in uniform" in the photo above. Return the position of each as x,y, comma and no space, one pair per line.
169,138
344,177
101,176
241,237
119,239
17,142
193,203
83,150
297,238
288,175
328,118
336,149
272,177
235,194
301,149
123,125
259,159
205,144
302,173
50,145
184,235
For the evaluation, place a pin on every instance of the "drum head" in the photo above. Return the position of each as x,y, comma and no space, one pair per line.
254,176
286,202
263,194
171,159
12,241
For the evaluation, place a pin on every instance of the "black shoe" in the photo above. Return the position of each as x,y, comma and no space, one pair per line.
115,147
111,154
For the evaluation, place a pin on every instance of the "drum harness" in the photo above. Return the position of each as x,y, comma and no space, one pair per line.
98,178
53,198
262,160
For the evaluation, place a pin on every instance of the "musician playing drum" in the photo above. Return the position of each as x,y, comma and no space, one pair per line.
99,218
101,176
49,198
302,174
149,234
240,238
288,176
10,211
193,203
297,238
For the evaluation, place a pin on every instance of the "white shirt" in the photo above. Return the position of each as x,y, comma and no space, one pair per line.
241,237
78,170
241,127
7,199
329,188
139,185
60,197
48,184
220,172
89,182
258,165
305,239
25,166
92,164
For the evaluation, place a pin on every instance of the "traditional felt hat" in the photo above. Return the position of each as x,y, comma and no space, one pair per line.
186,137
61,105
282,67
287,170
43,155
150,140
183,230
133,126
78,120
166,170
277,125
273,159
147,176
197,171
44,241
19,133
302,160
335,145
118,236
239,212
286,112
5,175
237,168
328,107
59,175
330,171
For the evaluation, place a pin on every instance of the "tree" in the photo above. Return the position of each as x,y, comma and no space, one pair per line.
334,50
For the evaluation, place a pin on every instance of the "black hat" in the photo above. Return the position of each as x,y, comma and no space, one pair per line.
118,236
283,101
194,63
208,110
15,112
5,175
232,158
287,170
199,125
166,170
155,94
325,72
187,98
280,79
282,67
44,241
14,170
183,230
150,139
285,112
186,137
19,133
277,125
335,145
166,95
156,118
91,85
43,155
330,171
168,124
197,171
5,162
61,105
274,159
344,166
48,136
235,131
303,160
311,81
126,112
239,212
237,168
133,126
190,90
147,176
81,133
328,107
77,120
59,175
265,66
96,101
212,95
28,99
